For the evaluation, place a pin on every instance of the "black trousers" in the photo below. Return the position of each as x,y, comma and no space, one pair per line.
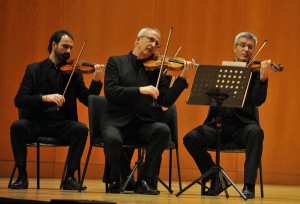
248,136
24,131
154,135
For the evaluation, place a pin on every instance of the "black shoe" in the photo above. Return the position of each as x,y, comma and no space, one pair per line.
20,183
143,187
70,183
114,187
249,191
215,190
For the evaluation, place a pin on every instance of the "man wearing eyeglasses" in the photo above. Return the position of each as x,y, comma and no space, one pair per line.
239,125
131,114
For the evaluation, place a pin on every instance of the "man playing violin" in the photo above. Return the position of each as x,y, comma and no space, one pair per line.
130,115
45,110
239,125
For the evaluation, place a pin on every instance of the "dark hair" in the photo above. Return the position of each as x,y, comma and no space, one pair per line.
56,37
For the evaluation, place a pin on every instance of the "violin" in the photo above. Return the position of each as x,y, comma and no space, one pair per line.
256,64
174,64
170,63
84,67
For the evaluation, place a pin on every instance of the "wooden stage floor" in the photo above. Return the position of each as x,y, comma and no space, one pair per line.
96,191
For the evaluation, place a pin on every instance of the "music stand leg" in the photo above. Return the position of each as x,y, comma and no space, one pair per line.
233,184
222,180
220,174
165,185
206,174
129,177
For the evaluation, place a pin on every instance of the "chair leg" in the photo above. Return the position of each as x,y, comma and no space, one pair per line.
12,175
178,169
141,154
261,180
203,187
85,166
107,175
38,165
79,174
170,169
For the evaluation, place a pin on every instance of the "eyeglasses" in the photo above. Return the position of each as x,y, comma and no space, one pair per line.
152,40
244,45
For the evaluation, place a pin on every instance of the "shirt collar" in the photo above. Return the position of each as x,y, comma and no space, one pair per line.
50,63
134,58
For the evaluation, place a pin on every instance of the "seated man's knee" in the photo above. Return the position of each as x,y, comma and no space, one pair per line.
256,133
82,129
197,138
190,138
260,134
111,138
186,140
18,126
164,132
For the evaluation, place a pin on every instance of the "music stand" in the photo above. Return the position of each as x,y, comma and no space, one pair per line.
220,86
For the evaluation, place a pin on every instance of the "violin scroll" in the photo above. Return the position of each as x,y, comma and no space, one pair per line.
277,67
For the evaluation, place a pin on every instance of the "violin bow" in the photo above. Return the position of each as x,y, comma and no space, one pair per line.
76,64
164,56
257,53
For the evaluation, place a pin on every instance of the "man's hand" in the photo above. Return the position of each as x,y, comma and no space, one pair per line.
99,71
54,98
187,68
150,90
265,69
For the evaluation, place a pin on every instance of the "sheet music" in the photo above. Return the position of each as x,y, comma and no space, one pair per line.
234,64
230,80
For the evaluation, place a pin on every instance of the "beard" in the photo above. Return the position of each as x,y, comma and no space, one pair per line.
62,57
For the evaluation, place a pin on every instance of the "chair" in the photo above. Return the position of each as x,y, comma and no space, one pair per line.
96,105
231,147
171,120
43,141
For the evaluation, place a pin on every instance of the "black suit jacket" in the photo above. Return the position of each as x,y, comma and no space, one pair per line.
38,80
123,77
256,96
